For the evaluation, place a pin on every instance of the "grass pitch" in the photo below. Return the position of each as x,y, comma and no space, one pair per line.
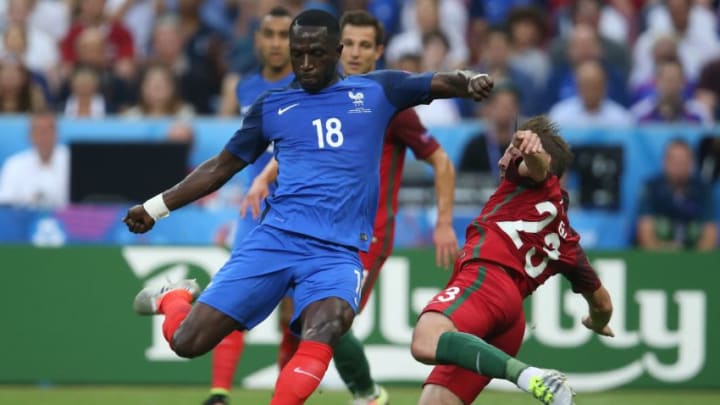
165,395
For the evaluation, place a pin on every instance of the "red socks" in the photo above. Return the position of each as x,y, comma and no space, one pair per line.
302,374
175,305
288,346
225,359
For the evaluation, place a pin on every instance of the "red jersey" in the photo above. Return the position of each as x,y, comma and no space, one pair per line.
524,228
118,39
404,131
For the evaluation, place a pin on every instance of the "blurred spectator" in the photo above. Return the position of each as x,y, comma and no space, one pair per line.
500,115
90,49
528,29
584,45
670,104
138,16
203,50
194,79
664,49
14,46
590,107
181,132
676,208
409,62
241,56
49,16
273,50
709,157
85,100
159,96
495,60
589,12
37,49
117,41
37,177
424,16
441,111
708,87
18,93
695,32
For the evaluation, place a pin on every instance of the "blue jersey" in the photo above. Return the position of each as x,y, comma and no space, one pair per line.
328,145
247,90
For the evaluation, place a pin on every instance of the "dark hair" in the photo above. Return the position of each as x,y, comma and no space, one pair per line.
175,103
552,142
278,11
531,14
362,18
318,18
436,34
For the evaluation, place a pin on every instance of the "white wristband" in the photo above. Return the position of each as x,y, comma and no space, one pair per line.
156,207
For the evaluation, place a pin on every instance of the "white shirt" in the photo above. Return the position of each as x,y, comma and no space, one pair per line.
42,52
25,181
571,113
440,112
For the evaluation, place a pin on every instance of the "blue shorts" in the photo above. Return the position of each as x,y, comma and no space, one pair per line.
271,261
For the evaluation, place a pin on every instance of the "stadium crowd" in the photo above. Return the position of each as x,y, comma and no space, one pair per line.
584,62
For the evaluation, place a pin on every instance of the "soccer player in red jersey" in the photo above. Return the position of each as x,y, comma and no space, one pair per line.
473,327
362,38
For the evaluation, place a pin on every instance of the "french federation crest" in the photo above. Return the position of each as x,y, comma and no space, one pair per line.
358,100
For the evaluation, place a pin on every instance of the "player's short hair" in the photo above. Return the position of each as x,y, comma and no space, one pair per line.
318,18
278,11
552,142
361,18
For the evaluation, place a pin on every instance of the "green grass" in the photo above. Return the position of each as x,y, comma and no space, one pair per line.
164,395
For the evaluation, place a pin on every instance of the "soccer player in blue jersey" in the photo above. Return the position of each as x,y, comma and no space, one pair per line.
272,45
328,135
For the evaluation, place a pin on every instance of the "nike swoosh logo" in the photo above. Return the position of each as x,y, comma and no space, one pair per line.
303,372
282,110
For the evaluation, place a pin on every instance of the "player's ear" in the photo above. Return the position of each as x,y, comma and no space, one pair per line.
340,49
379,50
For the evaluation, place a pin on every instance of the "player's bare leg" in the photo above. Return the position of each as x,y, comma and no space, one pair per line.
191,330
437,341
322,324
437,395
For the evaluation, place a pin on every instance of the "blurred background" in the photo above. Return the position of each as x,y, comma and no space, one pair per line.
103,103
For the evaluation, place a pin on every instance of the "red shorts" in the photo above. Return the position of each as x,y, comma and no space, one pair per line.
372,262
480,299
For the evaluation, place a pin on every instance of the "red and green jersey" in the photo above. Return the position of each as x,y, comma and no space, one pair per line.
524,227
404,131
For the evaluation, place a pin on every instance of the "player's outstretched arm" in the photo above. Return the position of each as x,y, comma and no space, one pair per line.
444,238
600,309
536,162
461,83
205,179
259,189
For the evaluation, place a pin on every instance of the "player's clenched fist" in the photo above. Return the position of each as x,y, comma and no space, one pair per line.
527,142
138,220
480,86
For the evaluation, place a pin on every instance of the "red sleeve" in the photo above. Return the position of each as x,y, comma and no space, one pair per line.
581,275
121,37
407,128
67,45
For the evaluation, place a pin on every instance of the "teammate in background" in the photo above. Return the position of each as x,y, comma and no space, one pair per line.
272,44
362,36
520,239
328,133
